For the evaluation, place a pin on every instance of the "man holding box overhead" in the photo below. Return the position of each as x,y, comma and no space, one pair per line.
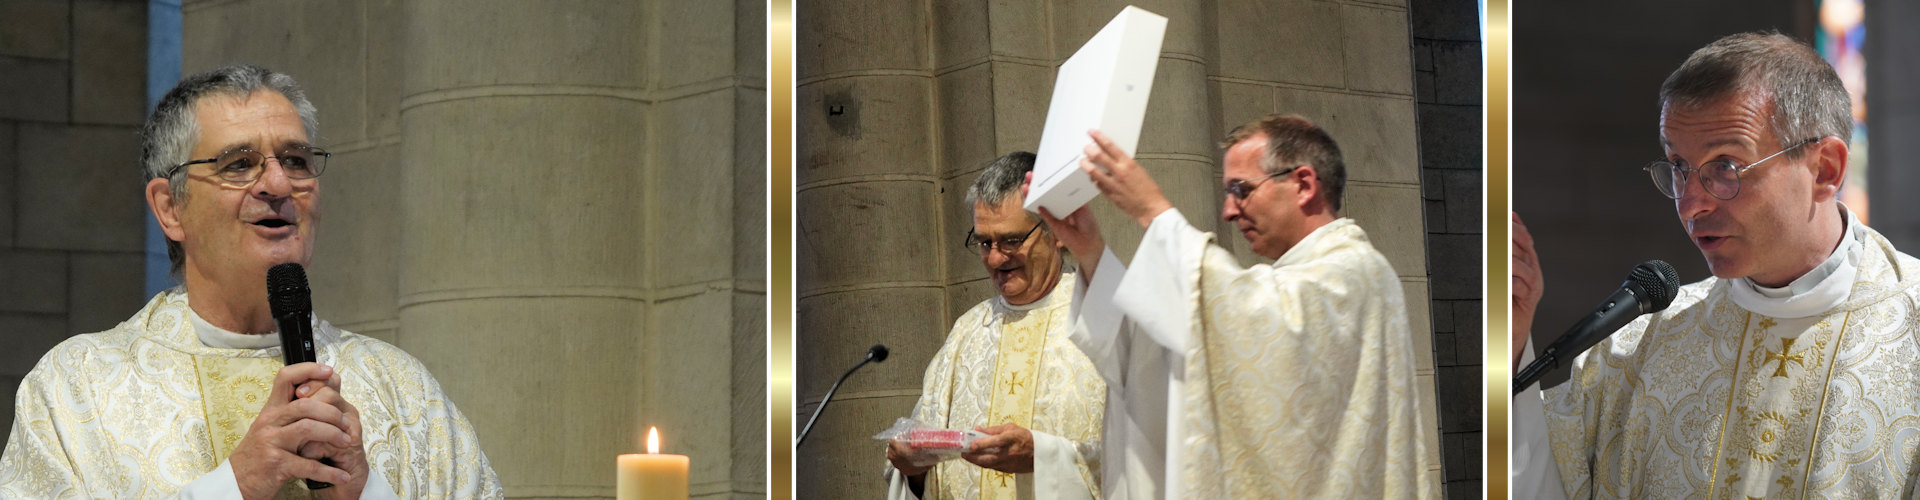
1289,380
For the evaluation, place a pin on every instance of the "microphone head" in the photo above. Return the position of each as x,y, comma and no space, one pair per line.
287,291
878,353
1659,282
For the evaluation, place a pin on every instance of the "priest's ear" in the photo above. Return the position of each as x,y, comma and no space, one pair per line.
165,207
1829,162
1307,183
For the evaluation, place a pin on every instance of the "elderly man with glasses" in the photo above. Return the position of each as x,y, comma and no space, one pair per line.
1008,368
1790,373
190,397
1288,380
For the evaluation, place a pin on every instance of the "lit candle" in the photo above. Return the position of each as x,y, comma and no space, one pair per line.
651,476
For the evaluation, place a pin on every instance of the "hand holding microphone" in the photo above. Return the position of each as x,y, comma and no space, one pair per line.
1650,288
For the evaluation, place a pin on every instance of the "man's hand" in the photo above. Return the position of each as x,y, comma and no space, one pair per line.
1122,180
1078,231
1009,449
1528,286
902,457
290,435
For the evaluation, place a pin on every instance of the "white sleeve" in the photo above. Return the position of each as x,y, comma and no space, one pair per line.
216,485
1162,274
1531,470
1056,468
1097,321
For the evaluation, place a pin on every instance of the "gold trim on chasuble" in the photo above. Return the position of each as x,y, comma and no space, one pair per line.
232,391
1774,410
1016,378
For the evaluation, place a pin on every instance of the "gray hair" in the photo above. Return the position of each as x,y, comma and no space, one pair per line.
1001,179
1803,93
171,131
1295,140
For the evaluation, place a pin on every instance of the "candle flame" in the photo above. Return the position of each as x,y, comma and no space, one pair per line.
653,440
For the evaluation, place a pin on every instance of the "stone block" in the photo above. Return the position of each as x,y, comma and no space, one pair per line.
1451,137
1456,268
9,389
1419,323
1019,29
1290,42
1423,87
36,89
967,135
1178,119
1376,134
1423,56
356,255
1445,20
694,41
1458,72
749,391
37,281
1443,317
9,158
1444,349
1240,103
1460,399
109,62
1466,488
956,220
580,42
862,125
852,35
686,378
866,232
490,205
35,28
78,190
750,40
1464,196
322,51
833,331
105,289
966,294
29,336
1391,217
692,187
1473,339
578,400
1021,94
1379,54
961,35
386,67
845,432
751,182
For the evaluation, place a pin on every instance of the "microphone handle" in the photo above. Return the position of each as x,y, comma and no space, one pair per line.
1619,309
823,402
296,344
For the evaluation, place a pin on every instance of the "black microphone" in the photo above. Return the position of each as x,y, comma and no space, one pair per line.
875,354
292,304
1649,289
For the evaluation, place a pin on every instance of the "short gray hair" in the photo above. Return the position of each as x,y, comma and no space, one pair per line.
1001,179
171,131
1802,91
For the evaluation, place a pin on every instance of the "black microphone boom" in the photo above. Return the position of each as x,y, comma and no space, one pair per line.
291,303
875,354
1649,289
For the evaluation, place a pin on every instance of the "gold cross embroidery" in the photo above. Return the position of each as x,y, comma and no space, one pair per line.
1002,476
1783,357
1013,381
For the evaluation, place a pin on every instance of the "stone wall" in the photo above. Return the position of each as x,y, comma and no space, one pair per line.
901,104
72,212
1447,76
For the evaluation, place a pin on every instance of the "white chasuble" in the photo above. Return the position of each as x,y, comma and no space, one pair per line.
1290,380
152,409
1003,363
1730,394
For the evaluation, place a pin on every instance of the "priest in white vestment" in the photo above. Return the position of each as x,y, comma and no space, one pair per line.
1791,372
1009,369
1289,380
189,398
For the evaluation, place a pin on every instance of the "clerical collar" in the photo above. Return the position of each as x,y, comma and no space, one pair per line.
1820,290
221,338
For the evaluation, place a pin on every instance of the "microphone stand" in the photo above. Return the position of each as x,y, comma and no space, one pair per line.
829,398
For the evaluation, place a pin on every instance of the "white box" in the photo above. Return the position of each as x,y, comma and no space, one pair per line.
1103,86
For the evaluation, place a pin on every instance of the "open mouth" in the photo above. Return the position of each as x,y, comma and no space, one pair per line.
272,223
1709,242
